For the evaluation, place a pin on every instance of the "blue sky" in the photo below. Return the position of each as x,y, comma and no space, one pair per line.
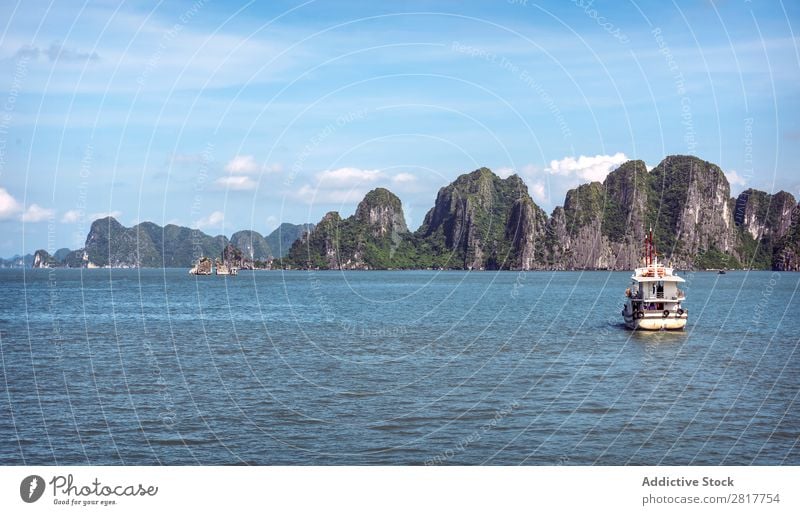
237,115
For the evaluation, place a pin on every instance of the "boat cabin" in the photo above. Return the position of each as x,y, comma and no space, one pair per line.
654,293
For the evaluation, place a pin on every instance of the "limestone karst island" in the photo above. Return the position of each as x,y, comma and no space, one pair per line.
483,222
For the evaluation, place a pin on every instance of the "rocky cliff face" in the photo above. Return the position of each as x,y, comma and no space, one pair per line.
482,221
763,215
281,239
43,259
382,212
763,221
601,225
786,253
321,248
252,244
376,236
110,244
690,210
684,199
526,232
147,245
174,245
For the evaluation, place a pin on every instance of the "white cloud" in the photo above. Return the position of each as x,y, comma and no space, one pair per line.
533,177
36,213
538,191
343,177
586,167
311,195
70,217
215,219
346,185
9,207
404,178
504,172
242,164
735,179
236,182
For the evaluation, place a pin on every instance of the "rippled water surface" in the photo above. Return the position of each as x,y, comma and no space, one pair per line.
156,366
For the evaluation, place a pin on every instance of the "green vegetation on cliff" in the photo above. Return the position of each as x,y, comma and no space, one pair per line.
281,239
478,221
376,236
481,221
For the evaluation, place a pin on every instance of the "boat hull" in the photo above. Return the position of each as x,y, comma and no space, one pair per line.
657,322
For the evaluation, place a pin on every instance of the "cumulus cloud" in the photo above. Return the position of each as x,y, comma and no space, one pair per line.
310,195
237,182
533,177
70,217
348,185
344,177
213,220
504,172
587,168
538,191
36,213
247,164
735,179
12,209
340,186
9,207
404,178
241,164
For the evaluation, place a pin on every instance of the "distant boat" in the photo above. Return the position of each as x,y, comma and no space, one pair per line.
722,272
654,299
223,269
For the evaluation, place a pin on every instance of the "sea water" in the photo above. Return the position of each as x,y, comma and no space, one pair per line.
399,367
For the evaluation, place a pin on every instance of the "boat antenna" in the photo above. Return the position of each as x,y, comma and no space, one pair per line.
652,246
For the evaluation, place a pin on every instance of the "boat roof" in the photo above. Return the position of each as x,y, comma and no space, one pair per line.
666,279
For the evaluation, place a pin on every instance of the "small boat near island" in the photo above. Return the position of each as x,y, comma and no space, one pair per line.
654,299
225,269
205,266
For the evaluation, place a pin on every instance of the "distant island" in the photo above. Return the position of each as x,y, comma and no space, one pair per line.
148,245
483,222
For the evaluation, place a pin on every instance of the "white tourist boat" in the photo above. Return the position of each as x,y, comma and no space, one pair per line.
654,299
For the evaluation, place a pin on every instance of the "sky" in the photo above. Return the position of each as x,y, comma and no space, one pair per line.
242,115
